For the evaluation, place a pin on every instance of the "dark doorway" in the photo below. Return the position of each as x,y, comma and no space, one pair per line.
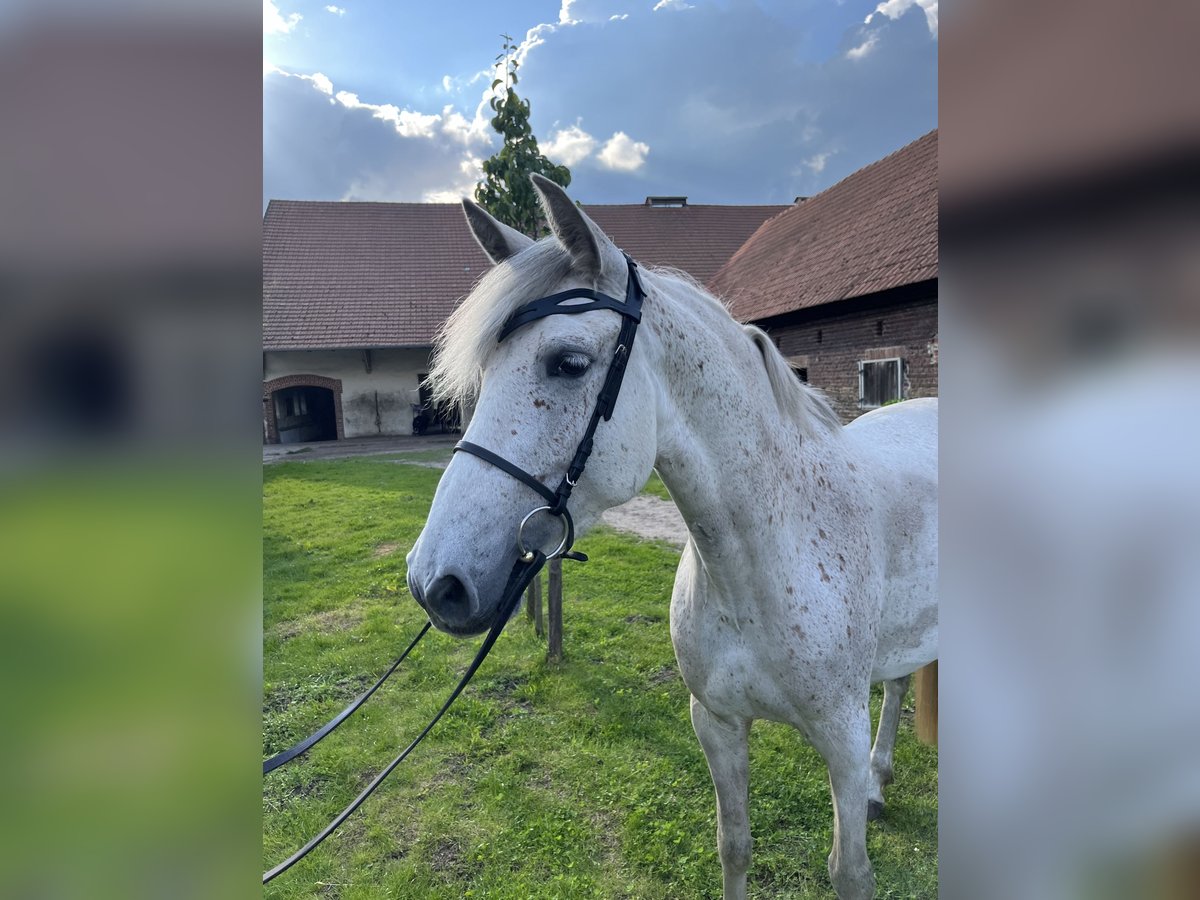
427,415
305,414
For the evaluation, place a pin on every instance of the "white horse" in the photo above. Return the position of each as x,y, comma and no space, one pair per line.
810,571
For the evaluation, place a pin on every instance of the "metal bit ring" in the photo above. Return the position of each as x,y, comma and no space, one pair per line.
527,555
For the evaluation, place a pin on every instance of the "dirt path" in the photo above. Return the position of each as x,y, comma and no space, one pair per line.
649,517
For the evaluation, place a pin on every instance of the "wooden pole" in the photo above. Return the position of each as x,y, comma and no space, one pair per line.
533,605
925,689
554,610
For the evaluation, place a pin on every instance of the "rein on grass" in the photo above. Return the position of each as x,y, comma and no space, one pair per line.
523,572
286,756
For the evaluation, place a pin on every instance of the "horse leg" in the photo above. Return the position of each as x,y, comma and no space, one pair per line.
885,742
844,740
726,748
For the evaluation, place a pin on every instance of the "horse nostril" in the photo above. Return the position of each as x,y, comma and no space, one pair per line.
450,597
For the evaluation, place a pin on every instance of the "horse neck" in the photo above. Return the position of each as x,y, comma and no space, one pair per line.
728,454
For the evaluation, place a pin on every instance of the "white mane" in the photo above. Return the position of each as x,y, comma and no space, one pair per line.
469,337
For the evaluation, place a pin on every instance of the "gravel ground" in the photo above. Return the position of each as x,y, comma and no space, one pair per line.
649,517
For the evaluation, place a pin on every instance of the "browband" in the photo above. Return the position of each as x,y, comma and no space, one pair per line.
557,304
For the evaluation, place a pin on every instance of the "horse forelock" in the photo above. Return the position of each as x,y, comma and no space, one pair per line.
469,337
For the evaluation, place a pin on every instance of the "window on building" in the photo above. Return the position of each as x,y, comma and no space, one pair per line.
820,335
879,382
801,373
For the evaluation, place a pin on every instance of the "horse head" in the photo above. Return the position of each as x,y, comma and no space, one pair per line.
534,390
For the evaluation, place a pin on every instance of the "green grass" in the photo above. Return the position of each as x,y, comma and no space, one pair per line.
656,487
574,780
440,456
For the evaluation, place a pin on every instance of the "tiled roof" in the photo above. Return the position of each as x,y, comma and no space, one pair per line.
388,274
873,230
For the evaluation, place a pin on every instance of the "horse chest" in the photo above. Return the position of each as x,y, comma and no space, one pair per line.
776,665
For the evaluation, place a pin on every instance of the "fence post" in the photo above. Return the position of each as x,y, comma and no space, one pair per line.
925,690
554,609
533,604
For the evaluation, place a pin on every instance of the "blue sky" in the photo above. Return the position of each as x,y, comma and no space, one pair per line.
725,101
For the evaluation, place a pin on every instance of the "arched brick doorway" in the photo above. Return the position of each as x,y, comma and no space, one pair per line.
302,408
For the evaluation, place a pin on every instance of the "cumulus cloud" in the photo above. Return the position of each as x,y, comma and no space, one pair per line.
894,9
816,162
864,48
569,145
731,133
623,154
274,21
322,83
672,5
407,122
471,173
336,10
322,143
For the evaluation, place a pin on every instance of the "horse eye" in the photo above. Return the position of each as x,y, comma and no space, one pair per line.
570,365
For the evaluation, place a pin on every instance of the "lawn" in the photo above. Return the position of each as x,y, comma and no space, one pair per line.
578,779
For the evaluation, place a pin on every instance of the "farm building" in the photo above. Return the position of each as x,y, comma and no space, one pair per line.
354,293
846,282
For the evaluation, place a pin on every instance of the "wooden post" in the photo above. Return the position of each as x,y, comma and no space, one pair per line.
533,605
554,609
925,689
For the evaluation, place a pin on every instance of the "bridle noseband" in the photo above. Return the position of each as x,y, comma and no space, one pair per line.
566,303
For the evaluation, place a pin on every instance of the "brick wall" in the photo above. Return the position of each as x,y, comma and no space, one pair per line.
831,341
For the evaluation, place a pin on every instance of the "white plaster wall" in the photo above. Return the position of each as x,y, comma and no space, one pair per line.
393,377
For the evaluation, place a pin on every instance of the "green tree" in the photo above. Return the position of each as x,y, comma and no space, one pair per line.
506,191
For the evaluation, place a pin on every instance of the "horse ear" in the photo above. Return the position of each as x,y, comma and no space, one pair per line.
496,239
573,229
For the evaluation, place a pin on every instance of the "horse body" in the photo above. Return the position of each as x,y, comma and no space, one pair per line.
810,570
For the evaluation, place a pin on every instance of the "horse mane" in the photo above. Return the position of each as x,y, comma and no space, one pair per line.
468,339
806,406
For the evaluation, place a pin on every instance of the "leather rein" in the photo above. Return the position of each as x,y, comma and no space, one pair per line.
529,561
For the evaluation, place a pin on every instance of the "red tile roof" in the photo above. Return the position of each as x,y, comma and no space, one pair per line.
341,275
873,230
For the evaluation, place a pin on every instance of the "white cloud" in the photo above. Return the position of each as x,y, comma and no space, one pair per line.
816,163
407,122
623,154
463,130
864,48
894,9
336,10
322,83
318,80
470,172
569,145
447,83
672,4
619,18
274,22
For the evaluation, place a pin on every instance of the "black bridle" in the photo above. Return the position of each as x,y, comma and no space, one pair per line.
529,562
567,303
